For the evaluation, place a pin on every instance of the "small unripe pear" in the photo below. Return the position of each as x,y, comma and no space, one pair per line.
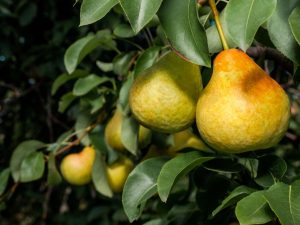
113,133
118,172
76,168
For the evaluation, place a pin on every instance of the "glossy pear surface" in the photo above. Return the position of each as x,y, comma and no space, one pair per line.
242,108
164,96
76,168
113,133
118,172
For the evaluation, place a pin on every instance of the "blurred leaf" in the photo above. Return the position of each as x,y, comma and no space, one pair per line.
124,92
253,209
146,59
28,14
176,168
104,66
59,81
294,19
97,103
236,195
93,10
284,200
65,101
271,169
86,84
124,31
4,175
32,167
140,186
140,12
53,177
122,63
82,47
245,17
82,122
23,150
155,222
186,34
99,176
283,39
129,134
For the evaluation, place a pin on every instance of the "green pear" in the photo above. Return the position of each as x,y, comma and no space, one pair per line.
76,168
242,108
164,96
113,131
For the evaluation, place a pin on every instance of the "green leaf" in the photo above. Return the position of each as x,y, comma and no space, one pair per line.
86,84
32,167
186,34
146,59
94,10
236,195
77,51
280,31
245,17
82,47
20,153
122,63
97,103
253,209
63,78
213,37
53,177
294,19
104,66
140,186
65,101
176,168
82,122
271,169
251,165
124,31
124,92
223,165
129,134
4,175
99,176
284,200
140,12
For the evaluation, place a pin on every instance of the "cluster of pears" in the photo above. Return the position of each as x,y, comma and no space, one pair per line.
241,109
76,168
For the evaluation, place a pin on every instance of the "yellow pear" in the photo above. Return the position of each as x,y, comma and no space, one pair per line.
164,96
76,168
118,172
242,108
187,139
113,133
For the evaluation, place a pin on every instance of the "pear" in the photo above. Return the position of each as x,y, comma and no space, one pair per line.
242,108
76,168
118,172
113,131
164,96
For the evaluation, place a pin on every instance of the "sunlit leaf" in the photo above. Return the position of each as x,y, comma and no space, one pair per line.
186,34
294,19
32,167
140,12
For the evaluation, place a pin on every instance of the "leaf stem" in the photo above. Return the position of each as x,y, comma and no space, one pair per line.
213,7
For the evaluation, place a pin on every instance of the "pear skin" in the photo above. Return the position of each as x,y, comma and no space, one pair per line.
113,131
76,168
242,108
118,172
164,96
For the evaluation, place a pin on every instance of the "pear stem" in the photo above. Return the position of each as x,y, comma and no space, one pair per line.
218,23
